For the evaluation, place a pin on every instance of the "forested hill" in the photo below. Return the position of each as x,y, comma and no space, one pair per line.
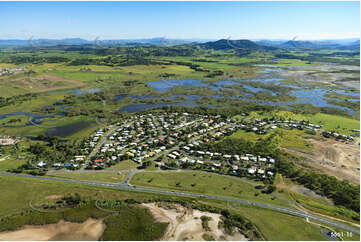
224,44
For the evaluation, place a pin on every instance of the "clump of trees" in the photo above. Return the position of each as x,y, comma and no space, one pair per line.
235,146
342,193
232,221
205,220
5,101
72,200
28,169
54,150
35,59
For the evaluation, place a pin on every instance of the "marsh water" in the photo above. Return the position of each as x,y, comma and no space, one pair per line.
270,75
303,94
68,129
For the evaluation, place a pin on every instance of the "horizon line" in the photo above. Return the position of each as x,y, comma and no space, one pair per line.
174,38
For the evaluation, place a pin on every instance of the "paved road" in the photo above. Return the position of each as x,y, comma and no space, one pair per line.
104,139
125,186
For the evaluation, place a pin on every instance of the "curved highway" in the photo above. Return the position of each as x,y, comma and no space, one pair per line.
125,186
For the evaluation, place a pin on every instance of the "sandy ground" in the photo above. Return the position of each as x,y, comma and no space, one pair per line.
336,158
91,229
53,197
185,224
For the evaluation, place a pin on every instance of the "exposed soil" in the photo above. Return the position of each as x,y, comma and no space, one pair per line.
90,230
295,188
52,197
336,158
185,224
44,83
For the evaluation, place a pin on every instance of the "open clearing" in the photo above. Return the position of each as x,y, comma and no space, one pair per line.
13,202
102,176
335,158
40,83
205,183
91,229
185,224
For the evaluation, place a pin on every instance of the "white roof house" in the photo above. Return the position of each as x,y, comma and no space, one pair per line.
184,159
171,156
175,153
41,164
251,171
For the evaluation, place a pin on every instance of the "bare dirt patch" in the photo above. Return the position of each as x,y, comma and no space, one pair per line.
53,197
90,230
41,83
186,224
336,158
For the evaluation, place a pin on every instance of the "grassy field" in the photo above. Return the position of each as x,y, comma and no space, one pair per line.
205,183
18,192
288,190
278,226
78,126
113,177
22,83
34,103
273,225
12,157
283,227
289,138
11,162
340,124
320,207
124,165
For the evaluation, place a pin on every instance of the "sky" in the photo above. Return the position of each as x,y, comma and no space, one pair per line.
185,20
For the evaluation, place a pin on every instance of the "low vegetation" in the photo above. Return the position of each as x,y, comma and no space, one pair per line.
341,192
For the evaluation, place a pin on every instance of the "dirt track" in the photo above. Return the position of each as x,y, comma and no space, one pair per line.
185,224
91,229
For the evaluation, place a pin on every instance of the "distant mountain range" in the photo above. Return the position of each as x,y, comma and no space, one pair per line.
312,44
222,44
79,41
225,44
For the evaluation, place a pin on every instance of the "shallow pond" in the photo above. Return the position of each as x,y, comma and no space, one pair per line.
166,85
35,118
68,129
